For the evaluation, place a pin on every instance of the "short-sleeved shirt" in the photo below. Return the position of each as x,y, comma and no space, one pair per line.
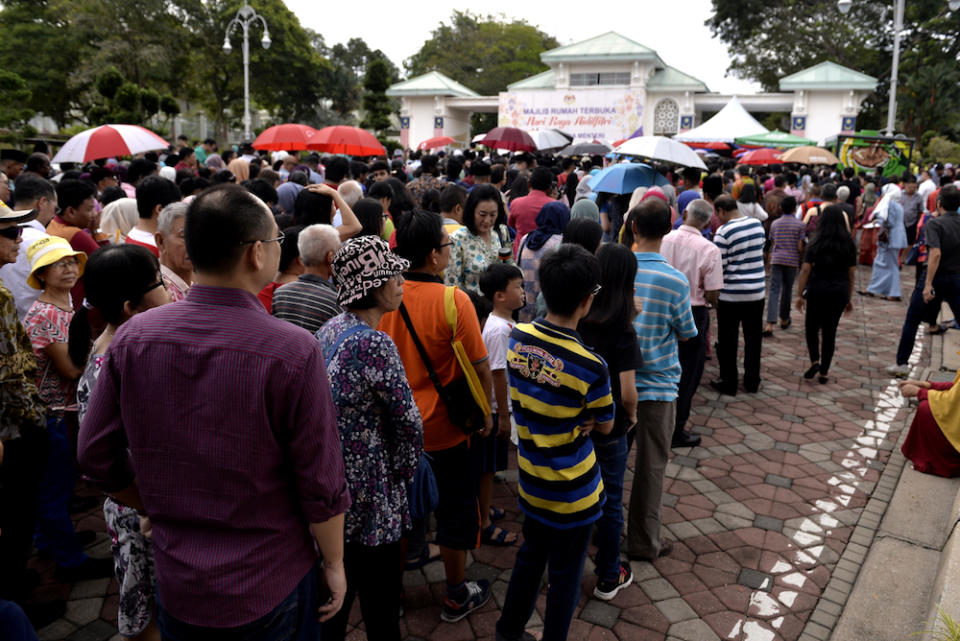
943,233
697,258
786,233
556,383
423,300
496,337
622,354
741,248
523,214
47,324
913,208
309,302
665,317
470,256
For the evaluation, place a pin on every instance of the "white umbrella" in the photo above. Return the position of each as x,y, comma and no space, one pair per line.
661,148
478,137
550,138
106,141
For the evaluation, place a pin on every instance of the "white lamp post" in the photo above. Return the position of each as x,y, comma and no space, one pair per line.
844,7
244,18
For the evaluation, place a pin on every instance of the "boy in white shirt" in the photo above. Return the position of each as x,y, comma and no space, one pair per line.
502,285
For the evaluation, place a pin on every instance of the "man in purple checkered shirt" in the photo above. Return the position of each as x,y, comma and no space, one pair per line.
216,420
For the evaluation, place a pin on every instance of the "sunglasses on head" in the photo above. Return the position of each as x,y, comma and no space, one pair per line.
13,233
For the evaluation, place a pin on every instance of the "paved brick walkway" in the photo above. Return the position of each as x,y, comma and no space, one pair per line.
762,512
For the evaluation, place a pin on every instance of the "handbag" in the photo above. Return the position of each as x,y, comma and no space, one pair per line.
464,398
422,493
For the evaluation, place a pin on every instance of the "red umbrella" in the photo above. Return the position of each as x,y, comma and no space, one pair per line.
351,141
433,143
761,157
286,137
719,146
509,138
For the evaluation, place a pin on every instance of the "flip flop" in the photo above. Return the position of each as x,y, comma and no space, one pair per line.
487,536
892,299
496,513
941,329
864,292
767,333
422,560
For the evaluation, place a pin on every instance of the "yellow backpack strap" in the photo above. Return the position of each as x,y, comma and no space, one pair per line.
450,309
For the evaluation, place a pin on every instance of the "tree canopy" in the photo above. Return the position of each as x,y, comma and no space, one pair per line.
485,53
769,39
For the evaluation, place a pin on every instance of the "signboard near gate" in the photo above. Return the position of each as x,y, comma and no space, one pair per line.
605,115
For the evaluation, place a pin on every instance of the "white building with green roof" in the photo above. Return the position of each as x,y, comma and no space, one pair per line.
608,87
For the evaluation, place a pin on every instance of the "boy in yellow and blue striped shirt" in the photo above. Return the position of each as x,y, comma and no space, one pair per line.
559,392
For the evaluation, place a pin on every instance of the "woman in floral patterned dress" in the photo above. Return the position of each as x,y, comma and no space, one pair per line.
481,241
381,433
121,280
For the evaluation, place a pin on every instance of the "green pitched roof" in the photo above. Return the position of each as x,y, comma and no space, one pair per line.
433,83
669,78
544,80
607,46
828,75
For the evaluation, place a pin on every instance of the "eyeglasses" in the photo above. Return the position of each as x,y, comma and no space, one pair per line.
386,216
278,239
447,244
63,263
596,289
13,233
159,283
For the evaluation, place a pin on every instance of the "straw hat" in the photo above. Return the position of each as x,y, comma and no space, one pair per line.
45,251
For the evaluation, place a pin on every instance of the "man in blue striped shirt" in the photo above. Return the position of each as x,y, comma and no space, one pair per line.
664,318
740,239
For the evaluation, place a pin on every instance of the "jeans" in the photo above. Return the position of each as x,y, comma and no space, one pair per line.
21,473
730,316
55,531
946,287
611,453
563,551
375,575
823,316
655,421
781,288
294,619
692,355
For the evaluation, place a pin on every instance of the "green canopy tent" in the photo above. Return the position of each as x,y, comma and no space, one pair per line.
778,139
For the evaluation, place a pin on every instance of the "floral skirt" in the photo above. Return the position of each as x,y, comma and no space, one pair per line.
133,565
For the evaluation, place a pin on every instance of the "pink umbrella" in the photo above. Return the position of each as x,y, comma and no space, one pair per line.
106,141
761,157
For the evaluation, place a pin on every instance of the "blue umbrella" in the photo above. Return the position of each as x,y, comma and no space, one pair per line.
623,178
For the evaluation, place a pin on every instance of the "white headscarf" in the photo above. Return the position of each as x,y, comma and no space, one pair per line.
891,192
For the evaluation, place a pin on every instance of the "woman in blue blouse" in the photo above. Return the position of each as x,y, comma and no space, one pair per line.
381,432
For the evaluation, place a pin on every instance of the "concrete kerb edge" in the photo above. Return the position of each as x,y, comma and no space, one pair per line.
946,586
879,502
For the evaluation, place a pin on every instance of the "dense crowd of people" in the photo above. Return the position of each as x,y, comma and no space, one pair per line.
295,378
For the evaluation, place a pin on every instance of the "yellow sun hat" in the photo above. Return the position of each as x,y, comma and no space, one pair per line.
45,251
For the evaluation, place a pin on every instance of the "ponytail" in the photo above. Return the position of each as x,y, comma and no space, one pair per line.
80,337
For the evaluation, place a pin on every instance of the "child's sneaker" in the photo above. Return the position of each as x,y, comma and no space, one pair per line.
477,593
606,590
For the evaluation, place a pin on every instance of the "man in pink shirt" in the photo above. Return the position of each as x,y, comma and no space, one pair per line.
524,210
687,251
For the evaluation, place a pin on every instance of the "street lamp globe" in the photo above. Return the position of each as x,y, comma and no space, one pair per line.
266,42
226,44
844,5
954,5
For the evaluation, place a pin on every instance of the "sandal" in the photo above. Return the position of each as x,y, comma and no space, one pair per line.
785,324
866,293
892,299
424,558
941,329
500,539
496,513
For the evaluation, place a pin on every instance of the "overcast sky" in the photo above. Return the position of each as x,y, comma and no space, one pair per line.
674,29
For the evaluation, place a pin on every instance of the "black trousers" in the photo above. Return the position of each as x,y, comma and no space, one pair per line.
22,471
823,316
693,356
730,317
374,574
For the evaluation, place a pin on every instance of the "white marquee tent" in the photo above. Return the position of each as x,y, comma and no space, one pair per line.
733,121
